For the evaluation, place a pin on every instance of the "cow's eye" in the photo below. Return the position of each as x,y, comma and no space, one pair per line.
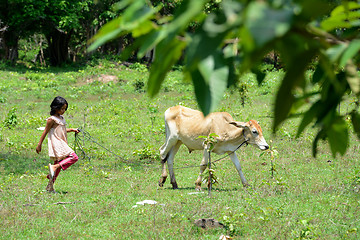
254,131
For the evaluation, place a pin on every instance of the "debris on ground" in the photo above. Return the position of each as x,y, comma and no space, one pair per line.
208,223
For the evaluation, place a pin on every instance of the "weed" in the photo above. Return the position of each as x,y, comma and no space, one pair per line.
138,67
147,154
273,154
2,99
232,222
209,174
11,120
153,111
307,230
139,86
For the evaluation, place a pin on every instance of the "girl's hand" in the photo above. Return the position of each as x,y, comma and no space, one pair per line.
38,149
75,130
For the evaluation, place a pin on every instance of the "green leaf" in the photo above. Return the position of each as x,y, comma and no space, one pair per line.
150,41
319,136
351,51
294,77
345,7
352,77
210,81
266,23
167,54
135,18
187,12
334,53
109,31
338,136
309,116
318,75
343,16
143,29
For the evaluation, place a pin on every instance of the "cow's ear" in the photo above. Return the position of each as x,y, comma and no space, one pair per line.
239,124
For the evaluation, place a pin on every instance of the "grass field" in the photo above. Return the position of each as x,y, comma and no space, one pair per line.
306,198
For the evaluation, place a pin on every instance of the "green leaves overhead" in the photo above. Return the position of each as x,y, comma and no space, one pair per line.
136,19
234,39
266,23
338,136
210,81
166,56
346,15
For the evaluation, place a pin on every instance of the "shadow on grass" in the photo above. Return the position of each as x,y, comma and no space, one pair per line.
204,190
19,164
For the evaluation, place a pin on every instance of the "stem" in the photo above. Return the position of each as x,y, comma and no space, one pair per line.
210,176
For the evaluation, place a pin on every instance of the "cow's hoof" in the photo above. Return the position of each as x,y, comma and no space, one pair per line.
198,188
175,186
162,181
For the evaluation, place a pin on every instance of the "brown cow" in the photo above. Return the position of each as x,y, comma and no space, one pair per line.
184,126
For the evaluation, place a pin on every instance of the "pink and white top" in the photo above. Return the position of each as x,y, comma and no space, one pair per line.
57,139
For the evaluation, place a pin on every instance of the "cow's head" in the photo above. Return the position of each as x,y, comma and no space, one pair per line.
252,133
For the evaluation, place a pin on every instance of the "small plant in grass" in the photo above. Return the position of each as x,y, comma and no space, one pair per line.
307,230
232,221
243,91
139,67
213,180
139,86
153,110
11,119
147,153
2,99
273,154
208,175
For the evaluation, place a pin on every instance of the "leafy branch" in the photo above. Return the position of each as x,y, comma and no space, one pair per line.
234,39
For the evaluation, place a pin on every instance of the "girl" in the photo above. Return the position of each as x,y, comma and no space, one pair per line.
59,151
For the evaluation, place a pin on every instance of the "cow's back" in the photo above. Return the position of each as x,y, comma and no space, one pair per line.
189,124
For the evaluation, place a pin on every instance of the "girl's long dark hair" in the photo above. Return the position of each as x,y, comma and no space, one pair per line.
57,104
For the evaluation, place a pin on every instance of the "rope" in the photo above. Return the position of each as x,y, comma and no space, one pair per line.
87,136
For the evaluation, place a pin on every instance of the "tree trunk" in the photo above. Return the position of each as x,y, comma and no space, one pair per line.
9,46
58,47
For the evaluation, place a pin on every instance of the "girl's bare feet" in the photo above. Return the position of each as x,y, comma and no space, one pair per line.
50,186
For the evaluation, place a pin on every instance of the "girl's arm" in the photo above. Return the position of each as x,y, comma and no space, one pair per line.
72,130
49,124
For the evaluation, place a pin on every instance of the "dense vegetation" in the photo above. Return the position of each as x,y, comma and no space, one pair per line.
306,197
233,40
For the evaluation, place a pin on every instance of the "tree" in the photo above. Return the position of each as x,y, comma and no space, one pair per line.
64,24
233,40
17,20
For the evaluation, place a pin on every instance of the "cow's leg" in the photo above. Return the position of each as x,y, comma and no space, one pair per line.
163,172
203,166
170,162
170,141
165,151
236,162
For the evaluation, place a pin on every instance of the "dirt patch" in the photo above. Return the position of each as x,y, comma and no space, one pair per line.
103,78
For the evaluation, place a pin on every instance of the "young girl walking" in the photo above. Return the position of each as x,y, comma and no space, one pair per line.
59,150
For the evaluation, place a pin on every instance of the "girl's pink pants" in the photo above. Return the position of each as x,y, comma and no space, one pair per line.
65,163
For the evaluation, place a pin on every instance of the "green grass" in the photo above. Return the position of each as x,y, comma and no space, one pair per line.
307,198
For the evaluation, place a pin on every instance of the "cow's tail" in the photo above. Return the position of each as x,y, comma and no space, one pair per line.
167,134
